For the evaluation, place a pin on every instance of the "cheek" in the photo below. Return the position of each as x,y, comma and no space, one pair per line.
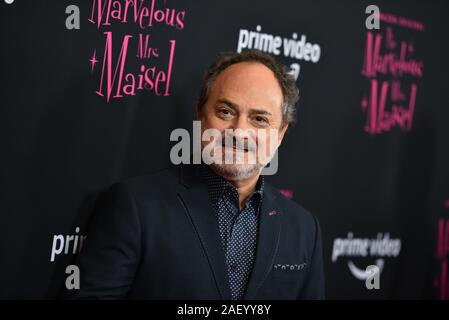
212,121
263,137
269,142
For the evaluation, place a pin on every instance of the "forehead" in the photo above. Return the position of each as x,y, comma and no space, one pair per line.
249,84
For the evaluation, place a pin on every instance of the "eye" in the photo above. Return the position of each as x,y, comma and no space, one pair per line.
224,112
261,121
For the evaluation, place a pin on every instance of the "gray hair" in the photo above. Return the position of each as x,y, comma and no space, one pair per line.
282,73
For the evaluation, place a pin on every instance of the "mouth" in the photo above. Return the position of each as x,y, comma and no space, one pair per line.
235,149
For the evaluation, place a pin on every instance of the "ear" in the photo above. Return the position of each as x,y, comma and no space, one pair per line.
282,133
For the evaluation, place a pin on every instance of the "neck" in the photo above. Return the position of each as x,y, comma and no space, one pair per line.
245,188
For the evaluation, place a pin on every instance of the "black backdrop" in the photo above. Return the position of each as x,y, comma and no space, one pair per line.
61,143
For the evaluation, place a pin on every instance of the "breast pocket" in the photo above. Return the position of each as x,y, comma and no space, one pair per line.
284,284
288,275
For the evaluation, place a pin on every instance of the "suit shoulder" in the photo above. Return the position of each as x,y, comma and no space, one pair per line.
295,212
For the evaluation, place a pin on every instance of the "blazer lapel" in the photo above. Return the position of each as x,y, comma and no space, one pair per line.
198,205
267,243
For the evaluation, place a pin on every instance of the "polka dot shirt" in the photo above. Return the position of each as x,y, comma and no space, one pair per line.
238,228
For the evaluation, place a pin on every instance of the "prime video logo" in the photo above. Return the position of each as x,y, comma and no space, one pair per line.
379,248
296,47
66,244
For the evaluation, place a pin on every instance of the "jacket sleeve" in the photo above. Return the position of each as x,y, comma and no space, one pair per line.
111,252
314,286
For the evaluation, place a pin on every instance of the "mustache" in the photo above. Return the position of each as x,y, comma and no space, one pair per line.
243,144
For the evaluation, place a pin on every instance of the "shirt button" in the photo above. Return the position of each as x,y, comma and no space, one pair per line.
234,267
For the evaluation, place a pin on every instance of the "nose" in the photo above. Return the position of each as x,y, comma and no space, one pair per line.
241,122
243,130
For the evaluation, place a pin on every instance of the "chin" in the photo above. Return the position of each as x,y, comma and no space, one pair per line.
235,172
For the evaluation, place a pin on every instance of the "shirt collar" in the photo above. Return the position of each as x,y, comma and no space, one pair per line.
216,186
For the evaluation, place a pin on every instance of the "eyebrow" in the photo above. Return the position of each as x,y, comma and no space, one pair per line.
235,106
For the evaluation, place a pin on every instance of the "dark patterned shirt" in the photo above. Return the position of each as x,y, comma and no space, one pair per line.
238,228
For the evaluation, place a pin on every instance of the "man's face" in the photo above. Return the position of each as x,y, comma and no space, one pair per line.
247,98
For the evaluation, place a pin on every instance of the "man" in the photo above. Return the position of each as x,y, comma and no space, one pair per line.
216,231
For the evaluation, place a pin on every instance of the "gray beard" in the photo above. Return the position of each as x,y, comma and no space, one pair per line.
236,173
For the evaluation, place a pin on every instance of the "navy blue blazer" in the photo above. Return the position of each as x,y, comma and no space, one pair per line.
156,237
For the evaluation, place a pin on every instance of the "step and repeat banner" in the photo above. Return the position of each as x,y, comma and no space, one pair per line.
91,90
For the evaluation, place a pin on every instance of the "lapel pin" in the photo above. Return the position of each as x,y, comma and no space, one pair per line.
272,213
